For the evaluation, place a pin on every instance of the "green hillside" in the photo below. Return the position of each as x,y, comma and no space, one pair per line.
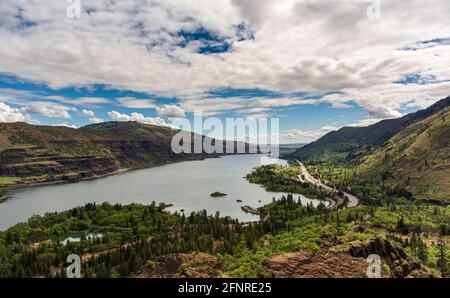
417,158
31,154
349,144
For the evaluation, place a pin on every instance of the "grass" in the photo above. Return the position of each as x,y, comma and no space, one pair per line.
415,159
9,180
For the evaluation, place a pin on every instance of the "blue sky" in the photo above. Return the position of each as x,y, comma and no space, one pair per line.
316,66
308,116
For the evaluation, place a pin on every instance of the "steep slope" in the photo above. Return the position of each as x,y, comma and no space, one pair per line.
350,142
417,158
37,154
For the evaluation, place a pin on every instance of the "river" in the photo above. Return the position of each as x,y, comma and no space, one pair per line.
186,185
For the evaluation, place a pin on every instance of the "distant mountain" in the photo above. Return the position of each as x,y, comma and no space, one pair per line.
40,154
349,142
286,149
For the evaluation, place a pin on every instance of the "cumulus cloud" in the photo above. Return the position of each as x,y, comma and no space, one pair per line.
80,101
307,135
364,122
290,46
25,96
171,111
132,102
116,116
382,112
8,114
87,101
91,116
88,113
96,120
65,124
48,109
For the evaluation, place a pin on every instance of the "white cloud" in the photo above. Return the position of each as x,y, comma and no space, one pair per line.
23,97
8,114
88,113
95,120
171,111
307,135
132,102
87,101
65,124
80,101
116,116
48,109
298,45
340,105
364,122
91,116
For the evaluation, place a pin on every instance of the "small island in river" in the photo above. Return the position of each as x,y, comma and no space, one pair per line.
251,210
218,194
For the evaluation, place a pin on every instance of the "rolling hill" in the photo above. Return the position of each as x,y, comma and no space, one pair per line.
410,153
31,154
417,158
348,143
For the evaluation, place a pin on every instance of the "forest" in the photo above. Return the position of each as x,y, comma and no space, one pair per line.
134,236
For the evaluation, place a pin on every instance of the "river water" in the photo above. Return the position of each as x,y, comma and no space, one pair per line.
186,185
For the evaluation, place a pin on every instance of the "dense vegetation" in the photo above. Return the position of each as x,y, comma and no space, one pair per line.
408,155
388,166
134,235
350,179
349,142
285,179
417,158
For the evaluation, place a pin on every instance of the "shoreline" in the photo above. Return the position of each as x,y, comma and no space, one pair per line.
4,190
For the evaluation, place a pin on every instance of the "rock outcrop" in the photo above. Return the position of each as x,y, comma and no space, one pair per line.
44,154
189,265
345,264
399,262
320,264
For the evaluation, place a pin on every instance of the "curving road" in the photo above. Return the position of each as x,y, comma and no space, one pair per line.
352,200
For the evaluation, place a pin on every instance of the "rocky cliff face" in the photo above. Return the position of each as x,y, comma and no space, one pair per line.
320,264
35,161
38,154
351,263
189,265
324,263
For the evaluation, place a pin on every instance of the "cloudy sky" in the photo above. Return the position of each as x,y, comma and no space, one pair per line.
317,65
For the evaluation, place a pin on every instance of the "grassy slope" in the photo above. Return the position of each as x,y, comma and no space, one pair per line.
30,151
417,158
59,138
351,143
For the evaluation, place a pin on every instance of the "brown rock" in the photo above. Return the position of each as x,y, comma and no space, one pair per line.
321,264
347,264
203,265
204,271
400,263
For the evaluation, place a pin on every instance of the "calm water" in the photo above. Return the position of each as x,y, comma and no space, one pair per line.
187,185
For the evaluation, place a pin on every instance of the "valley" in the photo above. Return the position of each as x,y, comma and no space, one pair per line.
33,155
408,156
320,214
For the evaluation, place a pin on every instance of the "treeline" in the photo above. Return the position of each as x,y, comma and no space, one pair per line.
347,178
285,179
134,235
